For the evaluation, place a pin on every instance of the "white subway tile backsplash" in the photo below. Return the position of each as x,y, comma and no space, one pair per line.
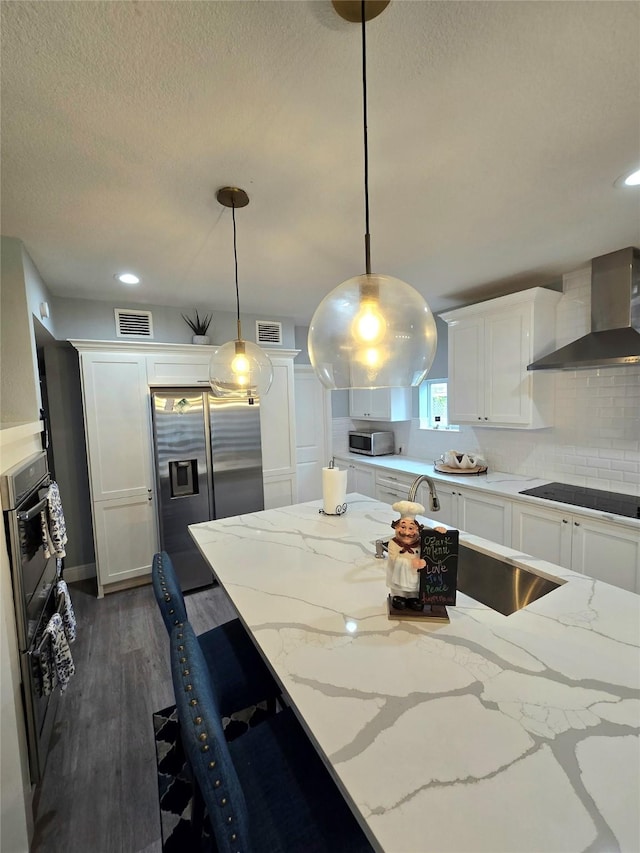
627,445
614,453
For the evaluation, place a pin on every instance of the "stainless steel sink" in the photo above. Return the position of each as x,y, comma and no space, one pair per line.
494,582
498,584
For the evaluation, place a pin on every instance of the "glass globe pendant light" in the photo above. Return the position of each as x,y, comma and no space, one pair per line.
372,331
239,369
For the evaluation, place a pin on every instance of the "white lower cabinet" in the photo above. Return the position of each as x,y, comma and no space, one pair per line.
360,478
125,539
278,491
602,550
605,550
391,488
475,512
605,554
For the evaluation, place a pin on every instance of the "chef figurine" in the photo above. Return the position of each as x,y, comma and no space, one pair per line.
404,561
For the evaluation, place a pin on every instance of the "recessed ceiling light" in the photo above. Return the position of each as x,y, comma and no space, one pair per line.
633,180
128,278
629,179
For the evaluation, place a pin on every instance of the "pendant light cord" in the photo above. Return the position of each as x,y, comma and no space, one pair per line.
235,261
367,240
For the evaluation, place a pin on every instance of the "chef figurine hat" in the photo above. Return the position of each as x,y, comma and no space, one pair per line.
408,509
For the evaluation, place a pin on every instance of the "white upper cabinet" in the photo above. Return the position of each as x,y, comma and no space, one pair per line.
176,368
278,434
118,424
490,346
380,404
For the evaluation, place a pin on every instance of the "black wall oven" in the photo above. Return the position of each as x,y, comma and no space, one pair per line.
34,579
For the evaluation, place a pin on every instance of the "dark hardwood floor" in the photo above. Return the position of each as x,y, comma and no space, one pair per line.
99,791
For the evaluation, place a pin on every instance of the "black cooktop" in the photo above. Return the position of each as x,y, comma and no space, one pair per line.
591,498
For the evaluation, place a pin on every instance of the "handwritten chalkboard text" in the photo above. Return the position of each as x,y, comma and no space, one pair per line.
438,579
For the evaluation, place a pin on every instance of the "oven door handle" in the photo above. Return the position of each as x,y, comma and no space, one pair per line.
29,514
37,651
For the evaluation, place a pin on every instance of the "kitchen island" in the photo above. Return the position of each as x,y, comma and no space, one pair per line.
487,733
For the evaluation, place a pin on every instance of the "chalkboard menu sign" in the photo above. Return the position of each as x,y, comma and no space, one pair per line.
438,580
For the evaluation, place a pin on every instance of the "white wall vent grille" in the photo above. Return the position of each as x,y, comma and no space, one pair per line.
133,324
269,332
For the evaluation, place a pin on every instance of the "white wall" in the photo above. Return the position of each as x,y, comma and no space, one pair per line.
90,319
21,290
69,449
16,824
19,394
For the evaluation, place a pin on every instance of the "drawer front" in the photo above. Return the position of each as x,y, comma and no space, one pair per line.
390,494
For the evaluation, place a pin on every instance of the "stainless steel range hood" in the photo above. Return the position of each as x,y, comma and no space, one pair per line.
614,338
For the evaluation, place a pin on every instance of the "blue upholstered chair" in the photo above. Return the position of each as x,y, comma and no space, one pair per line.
268,790
237,670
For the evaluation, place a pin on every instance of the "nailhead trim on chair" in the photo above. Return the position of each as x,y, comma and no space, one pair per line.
202,736
167,596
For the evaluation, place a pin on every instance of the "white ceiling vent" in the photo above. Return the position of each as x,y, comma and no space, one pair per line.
133,324
269,332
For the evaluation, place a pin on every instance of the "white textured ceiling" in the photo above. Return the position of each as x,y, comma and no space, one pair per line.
496,132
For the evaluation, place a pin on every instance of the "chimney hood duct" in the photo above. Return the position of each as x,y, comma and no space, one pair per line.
614,338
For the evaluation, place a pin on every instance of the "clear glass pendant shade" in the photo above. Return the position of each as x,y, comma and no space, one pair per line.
372,331
240,369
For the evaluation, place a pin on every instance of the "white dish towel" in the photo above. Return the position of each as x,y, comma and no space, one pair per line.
54,529
66,611
56,662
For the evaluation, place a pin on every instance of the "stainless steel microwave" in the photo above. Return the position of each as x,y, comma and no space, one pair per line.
372,442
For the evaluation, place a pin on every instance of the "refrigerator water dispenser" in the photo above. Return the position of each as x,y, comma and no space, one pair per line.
183,474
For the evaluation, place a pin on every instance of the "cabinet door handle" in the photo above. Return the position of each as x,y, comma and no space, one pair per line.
564,521
576,524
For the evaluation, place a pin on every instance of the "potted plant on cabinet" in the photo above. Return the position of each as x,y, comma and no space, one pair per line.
199,326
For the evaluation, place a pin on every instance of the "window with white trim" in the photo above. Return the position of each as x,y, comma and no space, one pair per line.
433,405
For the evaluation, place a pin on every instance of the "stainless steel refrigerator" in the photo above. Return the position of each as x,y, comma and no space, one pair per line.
208,465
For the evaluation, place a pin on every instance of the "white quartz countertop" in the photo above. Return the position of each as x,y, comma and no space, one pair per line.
493,482
487,733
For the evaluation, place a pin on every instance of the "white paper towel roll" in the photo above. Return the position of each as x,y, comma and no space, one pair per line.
334,489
